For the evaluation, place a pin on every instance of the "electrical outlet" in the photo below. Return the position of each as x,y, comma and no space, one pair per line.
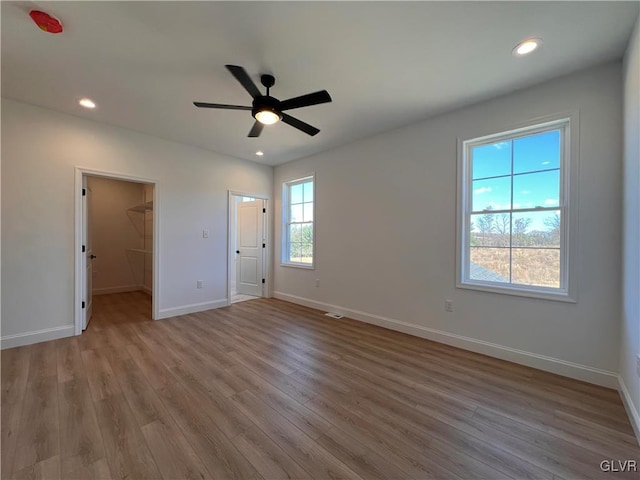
317,282
205,233
200,284
448,306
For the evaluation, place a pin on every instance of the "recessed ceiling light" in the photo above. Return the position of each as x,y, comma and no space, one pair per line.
87,103
526,47
260,153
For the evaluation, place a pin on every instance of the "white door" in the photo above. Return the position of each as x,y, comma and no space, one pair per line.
250,246
87,293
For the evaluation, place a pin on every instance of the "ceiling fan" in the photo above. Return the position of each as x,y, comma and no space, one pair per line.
266,109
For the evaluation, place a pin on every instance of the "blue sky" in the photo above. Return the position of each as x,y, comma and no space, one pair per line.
531,187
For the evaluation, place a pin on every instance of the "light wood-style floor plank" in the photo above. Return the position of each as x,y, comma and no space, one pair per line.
270,390
173,454
38,430
128,454
48,469
267,457
80,436
70,364
15,370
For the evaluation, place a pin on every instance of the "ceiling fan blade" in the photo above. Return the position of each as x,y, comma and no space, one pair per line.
256,130
219,105
299,124
306,100
243,77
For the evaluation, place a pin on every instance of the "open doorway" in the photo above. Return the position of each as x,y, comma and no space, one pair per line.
115,266
247,247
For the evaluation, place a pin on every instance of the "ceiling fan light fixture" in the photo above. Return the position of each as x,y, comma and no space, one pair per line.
267,117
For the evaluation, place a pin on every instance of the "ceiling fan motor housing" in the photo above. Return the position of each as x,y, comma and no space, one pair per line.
266,103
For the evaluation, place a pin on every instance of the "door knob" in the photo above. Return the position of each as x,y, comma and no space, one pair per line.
237,251
92,256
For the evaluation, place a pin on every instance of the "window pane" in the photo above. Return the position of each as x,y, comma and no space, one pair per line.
489,264
306,253
296,213
491,160
490,229
493,194
308,191
308,212
295,233
536,190
539,267
536,229
536,152
295,193
294,252
306,233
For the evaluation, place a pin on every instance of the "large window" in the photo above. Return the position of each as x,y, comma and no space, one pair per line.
297,220
514,211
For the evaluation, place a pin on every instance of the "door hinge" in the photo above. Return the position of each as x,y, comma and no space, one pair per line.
82,304
263,281
83,248
84,192
264,210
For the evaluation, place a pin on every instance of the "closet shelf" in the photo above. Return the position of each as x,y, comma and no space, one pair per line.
143,207
139,250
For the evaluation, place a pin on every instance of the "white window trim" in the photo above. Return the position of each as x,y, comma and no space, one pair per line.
569,208
285,220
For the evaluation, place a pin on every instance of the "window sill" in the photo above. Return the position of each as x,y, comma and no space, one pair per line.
298,265
519,292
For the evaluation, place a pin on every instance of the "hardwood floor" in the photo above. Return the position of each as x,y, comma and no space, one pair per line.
266,389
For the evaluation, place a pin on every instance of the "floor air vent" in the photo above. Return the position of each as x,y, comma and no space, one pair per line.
333,315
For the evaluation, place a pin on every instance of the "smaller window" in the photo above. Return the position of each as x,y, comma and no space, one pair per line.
298,222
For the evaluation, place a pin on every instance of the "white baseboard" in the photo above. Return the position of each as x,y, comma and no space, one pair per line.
541,362
193,308
20,339
120,289
634,416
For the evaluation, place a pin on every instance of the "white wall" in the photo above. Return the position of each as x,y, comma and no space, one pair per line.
114,230
386,210
40,150
630,338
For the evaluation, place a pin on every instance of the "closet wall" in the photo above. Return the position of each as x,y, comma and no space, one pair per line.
119,235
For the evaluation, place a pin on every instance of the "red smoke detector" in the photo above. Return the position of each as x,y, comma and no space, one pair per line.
46,22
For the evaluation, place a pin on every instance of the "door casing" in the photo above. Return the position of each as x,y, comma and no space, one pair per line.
79,257
87,283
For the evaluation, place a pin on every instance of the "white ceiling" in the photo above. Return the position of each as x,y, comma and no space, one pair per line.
386,64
